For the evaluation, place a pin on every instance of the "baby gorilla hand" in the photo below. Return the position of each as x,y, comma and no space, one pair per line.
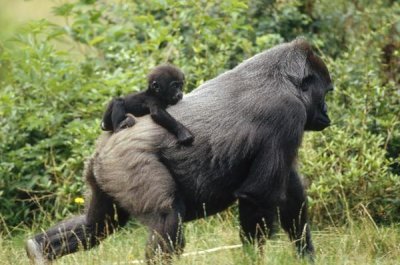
185,137
128,122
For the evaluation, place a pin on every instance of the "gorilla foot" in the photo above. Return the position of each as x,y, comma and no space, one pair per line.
35,254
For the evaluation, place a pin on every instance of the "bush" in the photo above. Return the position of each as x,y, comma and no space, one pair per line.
56,81
358,156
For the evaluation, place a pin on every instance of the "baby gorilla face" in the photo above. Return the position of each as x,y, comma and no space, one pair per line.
174,92
166,83
169,90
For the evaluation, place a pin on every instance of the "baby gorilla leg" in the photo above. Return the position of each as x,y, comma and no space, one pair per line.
128,122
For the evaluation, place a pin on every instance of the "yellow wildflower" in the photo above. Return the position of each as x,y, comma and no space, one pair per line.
79,200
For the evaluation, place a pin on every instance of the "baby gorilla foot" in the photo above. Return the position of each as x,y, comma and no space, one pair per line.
128,122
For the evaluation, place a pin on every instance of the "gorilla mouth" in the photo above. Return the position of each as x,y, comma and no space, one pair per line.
176,98
173,101
324,120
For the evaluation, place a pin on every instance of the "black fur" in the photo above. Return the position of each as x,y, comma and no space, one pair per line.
165,84
249,123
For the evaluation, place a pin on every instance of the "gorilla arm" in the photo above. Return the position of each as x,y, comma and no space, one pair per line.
269,171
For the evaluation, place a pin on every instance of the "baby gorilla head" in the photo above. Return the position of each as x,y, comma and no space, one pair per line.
166,83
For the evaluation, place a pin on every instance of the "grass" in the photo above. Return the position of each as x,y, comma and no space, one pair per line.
360,243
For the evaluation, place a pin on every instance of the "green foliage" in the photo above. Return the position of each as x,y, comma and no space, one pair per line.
358,157
56,80
47,126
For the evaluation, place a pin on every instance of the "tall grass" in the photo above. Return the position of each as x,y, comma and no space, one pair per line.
360,242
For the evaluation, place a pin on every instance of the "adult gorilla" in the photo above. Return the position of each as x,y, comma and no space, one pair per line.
248,123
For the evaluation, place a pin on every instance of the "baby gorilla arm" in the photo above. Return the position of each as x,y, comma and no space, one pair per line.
163,118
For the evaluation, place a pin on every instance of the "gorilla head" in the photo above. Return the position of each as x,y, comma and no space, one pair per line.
311,77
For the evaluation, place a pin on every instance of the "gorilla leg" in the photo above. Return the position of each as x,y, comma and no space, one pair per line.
166,233
263,189
256,222
101,219
293,215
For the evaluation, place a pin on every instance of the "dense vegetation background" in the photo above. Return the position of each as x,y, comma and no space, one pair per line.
55,80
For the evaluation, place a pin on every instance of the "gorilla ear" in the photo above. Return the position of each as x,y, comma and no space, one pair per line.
297,66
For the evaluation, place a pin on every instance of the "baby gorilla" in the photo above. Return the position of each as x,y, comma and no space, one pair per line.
165,83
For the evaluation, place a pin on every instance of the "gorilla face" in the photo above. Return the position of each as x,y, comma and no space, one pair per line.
316,85
317,113
166,82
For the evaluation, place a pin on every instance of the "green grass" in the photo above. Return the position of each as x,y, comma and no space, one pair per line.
360,243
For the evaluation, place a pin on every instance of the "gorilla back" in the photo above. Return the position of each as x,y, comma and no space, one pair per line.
248,123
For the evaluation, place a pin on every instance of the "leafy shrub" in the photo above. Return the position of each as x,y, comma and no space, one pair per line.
358,157
56,80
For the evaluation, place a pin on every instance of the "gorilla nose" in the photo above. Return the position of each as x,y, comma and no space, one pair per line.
325,108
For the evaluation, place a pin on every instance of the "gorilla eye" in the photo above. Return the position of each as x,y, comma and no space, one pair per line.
305,83
175,85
